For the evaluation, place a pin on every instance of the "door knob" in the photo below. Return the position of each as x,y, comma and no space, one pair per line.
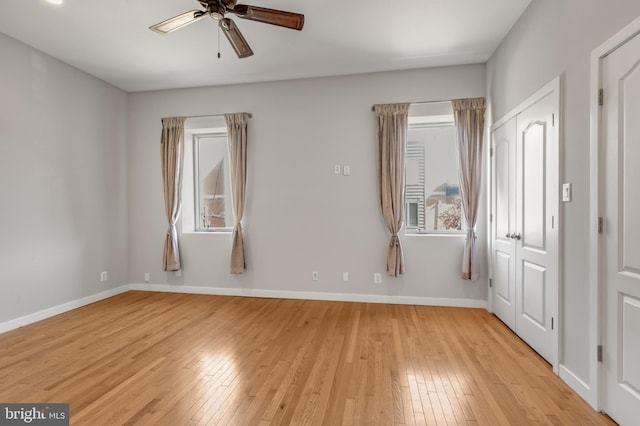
508,235
516,236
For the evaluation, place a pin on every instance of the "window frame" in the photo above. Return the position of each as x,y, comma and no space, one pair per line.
198,127
219,134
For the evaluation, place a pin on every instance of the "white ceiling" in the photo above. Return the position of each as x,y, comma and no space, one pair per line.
110,39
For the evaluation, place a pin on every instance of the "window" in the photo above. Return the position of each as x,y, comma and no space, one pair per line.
211,161
432,193
206,190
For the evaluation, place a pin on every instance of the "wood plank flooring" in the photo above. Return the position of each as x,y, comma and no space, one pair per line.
175,359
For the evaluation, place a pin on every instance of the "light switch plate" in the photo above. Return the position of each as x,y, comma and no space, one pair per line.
566,192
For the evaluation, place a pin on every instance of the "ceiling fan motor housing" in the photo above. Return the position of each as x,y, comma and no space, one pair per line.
216,13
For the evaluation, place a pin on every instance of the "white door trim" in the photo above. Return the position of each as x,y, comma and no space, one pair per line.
595,206
553,88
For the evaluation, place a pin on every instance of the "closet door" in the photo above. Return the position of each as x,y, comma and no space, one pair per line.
503,186
535,228
524,221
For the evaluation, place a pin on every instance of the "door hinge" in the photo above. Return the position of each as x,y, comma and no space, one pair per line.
600,225
490,282
490,152
553,120
601,97
490,217
552,323
599,353
553,222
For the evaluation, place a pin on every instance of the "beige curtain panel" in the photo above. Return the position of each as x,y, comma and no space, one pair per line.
237,140
468,118
172,151
391,140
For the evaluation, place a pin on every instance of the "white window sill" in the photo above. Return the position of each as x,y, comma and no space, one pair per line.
434,234
225,231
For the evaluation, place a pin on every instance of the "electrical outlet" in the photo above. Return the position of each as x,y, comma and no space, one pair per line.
345,276
377,278
103,276
147,277
315,276
337,169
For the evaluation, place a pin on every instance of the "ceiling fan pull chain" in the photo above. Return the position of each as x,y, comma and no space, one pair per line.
218,42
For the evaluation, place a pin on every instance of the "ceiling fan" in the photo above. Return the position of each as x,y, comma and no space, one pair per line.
217,9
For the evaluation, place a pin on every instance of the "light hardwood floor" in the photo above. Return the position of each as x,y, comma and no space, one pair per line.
175,359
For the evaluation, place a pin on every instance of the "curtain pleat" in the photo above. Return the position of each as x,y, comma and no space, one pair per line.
468,117
237,140
172,151
391,140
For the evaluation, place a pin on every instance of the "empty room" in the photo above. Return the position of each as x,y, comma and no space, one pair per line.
286,212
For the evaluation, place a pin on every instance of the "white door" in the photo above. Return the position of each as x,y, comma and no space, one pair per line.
536,229
503,188
621,166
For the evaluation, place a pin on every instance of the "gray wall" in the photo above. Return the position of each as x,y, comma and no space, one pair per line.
64,182
300,217
556,38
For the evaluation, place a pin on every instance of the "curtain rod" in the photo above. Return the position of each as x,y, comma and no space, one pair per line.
420,103
209,116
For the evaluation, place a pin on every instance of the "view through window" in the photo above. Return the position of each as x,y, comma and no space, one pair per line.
432,192
211,161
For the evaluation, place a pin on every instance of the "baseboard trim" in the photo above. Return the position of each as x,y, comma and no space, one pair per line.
57,310
222,291
337,297
575,383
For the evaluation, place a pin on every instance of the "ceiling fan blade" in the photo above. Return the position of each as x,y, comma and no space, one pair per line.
280,18
179,21
235,37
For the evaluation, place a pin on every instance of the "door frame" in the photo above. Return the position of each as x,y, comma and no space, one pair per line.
553,88
596,242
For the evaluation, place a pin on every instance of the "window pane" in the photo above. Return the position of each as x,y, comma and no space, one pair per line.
213,208
432,178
